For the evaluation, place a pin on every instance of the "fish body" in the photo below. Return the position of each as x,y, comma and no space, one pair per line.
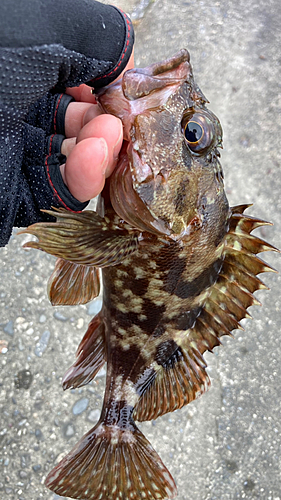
179,270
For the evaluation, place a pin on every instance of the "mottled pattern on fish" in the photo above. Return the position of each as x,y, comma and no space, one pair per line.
179,271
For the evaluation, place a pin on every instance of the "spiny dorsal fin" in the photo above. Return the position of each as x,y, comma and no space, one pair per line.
91,356
72,284
184,378
232,294
83,238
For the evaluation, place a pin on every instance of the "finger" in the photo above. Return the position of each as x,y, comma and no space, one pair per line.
84,171
77,114
82,93
110,128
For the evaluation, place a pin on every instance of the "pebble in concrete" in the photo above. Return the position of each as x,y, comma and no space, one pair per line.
9,328
59,316
23,379
80,406
94,415
68,430
95,306
42,345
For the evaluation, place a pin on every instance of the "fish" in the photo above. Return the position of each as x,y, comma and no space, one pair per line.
179,270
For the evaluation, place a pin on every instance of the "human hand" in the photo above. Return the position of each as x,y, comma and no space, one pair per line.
93,142
92,146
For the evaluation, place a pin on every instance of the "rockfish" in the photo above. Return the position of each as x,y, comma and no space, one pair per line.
179,270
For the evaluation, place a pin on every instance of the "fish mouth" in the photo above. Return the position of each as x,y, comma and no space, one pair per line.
127,203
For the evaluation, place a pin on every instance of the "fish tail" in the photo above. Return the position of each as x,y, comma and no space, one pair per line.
112,463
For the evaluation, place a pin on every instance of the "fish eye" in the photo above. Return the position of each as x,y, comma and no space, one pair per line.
193,132
198,131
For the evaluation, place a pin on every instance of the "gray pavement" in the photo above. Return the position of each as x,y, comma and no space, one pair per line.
226,445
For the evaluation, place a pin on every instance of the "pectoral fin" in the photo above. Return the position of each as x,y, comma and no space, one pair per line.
83,238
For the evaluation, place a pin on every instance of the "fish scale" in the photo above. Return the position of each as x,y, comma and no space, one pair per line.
179,270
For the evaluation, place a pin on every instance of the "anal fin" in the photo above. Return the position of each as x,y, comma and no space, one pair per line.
91,355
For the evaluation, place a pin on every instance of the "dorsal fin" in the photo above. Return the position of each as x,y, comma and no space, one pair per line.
184,378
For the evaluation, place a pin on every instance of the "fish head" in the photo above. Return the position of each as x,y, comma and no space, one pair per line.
169,176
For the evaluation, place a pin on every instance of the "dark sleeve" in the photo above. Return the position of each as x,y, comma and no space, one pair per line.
46,46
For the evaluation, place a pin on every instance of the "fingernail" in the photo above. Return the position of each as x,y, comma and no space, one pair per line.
104,148
117,145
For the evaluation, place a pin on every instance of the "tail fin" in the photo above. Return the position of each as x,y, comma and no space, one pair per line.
113,464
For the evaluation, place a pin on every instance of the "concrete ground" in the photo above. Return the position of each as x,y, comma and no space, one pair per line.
227,445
